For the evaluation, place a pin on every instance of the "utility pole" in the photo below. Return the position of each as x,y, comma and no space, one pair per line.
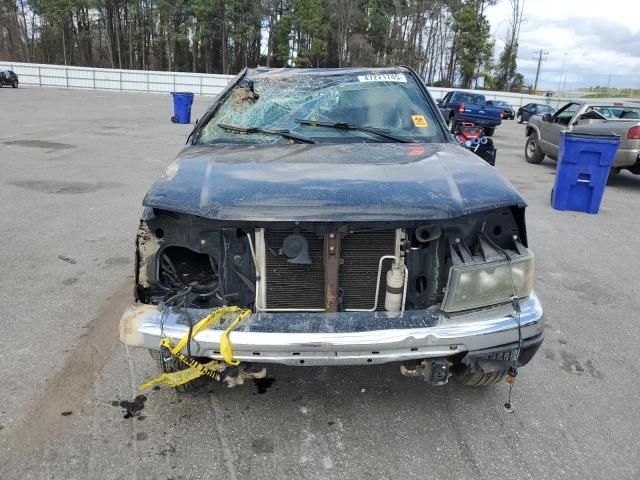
564,61
541,53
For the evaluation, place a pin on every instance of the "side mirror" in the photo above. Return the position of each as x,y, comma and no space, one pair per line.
439,102
547,117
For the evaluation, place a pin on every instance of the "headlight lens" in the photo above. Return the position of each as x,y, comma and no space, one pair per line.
484,284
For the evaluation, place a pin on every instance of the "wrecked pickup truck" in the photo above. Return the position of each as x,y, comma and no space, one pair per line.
334,208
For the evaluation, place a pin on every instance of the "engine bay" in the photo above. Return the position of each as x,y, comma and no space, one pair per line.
189,261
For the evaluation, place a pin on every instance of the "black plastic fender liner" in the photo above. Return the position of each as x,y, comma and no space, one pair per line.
478,361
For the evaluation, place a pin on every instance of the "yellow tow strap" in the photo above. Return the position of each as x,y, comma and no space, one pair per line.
194,368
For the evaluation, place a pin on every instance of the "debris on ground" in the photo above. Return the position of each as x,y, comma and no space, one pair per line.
70,260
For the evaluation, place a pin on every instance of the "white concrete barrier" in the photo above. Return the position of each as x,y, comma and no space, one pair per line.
516,100
199,83
114,79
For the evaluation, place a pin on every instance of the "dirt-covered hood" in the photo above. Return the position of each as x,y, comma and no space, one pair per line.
330,183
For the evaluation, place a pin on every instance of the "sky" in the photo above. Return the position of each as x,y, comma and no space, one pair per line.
600,38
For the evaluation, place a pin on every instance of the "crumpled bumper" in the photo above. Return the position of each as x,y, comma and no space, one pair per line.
344,338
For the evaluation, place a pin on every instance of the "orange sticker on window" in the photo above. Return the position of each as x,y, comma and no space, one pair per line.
419,121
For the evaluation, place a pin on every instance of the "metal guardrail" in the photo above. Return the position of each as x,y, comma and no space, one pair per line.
116,80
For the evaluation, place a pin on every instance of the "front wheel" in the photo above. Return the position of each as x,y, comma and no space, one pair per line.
15,84
532,153
519,118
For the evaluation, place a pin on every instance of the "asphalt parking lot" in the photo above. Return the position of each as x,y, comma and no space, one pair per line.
75,166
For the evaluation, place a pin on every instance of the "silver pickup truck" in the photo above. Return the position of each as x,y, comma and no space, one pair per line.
620,118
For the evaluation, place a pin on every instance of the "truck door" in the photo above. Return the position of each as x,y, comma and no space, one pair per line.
550,131
443,105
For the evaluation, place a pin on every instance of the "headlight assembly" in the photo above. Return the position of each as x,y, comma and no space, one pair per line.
488,283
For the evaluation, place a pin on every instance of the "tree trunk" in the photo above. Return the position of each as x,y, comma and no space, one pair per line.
64,48
29,46
117,23
223,41
194,54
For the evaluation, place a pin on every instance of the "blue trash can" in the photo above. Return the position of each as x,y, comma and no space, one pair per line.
182,102
584,162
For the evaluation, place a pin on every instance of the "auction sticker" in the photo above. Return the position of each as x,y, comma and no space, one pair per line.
383,77
419,121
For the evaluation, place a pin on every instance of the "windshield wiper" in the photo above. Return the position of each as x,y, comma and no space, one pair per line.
282,133
382,132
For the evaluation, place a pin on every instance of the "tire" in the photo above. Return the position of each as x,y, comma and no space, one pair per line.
488,131
452,124
532,153
174,119
635,169
519,118
469,379
613,173
14,84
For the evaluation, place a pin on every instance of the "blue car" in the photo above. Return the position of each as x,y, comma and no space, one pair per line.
527,111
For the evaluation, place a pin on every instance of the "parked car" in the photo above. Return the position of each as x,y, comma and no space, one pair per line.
7,77
470,108
527,111
341,223
509,113
623,119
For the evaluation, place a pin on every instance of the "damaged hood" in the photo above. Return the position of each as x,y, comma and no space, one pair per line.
315,182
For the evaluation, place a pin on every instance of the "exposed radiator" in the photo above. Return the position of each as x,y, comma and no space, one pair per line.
293,286
290,285
361,252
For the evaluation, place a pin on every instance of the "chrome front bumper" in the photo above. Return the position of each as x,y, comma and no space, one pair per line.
345,338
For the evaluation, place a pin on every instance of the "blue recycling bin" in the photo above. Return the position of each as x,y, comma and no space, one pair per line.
182,102
584,162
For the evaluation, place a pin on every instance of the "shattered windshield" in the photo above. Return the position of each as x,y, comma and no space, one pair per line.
348,106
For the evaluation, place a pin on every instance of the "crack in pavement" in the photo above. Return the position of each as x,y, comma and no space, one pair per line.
70,386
